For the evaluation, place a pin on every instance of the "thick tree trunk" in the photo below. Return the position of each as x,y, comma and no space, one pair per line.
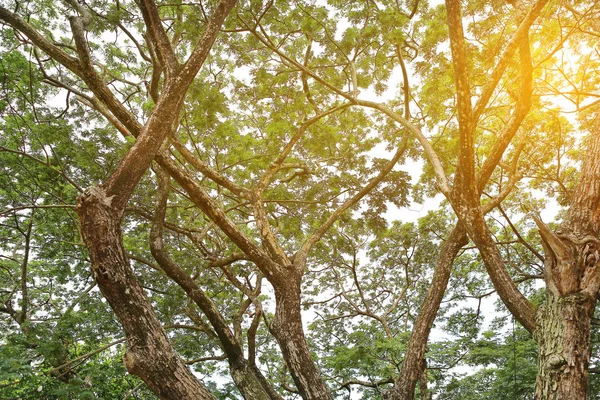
287,329
149,353
404,388
571,272
572,275
563,336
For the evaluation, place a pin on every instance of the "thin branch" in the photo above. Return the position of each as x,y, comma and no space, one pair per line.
316,236
405,87
229,343
370,384
430,154
504,59
22,316
276,165
518,235
84,357
44,163
35,207
522,108
209,172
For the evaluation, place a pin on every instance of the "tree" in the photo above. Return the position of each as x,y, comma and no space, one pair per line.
254,122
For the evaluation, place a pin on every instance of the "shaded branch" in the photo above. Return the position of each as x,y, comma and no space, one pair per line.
60,368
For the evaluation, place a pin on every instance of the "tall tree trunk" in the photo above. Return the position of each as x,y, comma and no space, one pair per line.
572,275
571,270
149,353
563,336
287,329
410,371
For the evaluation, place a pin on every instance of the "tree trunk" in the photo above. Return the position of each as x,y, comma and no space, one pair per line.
563,322
149,353
404,388
251,382
425,393
563,336
572,275
287,329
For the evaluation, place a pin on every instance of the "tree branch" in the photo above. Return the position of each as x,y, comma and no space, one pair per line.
158,36
300,257
521,32
522,108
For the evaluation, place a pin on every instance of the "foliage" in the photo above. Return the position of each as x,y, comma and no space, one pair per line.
277,66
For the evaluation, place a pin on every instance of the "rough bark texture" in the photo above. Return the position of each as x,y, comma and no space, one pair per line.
572,275
251,382
410,371
563,336
480,234
287,325
149,353
406,382
287,329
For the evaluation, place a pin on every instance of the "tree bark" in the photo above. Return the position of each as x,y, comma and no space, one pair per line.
563,337
287,325
251,382
406,382
289,332
149,353
572,275
466,191
410,371
248,378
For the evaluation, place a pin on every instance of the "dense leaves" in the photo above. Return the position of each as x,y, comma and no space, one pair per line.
273,131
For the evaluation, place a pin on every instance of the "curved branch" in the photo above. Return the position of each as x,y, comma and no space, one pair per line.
276,165
430,154
49,48
300,257
249,380
405,88
521,110
209,172
44,163
230,345
218,216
